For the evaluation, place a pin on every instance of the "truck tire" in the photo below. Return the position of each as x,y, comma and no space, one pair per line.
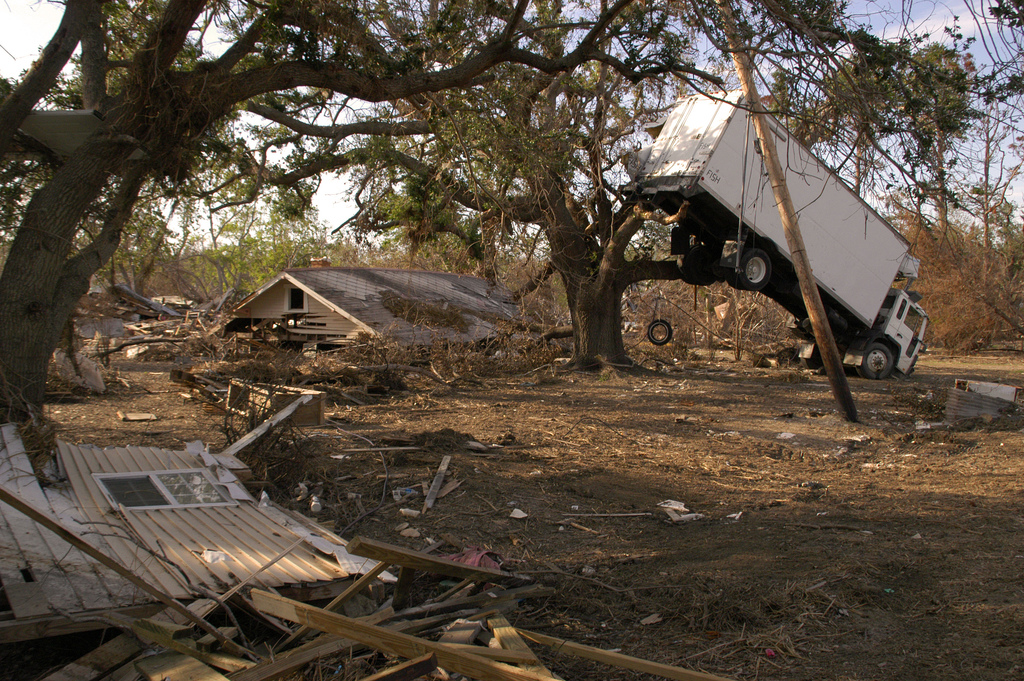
697,267
659,332
755,270
877,362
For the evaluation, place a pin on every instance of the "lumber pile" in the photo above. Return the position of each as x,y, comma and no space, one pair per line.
464,630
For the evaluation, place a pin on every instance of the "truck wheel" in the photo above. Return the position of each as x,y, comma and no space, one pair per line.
754,272
877,362
697,267
659,332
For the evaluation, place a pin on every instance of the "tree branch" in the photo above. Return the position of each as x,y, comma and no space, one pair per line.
340,132
43,74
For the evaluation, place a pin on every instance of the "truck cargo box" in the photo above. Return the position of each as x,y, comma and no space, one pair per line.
708,145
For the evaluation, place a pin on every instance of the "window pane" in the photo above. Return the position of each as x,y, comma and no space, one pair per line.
190,488
132,492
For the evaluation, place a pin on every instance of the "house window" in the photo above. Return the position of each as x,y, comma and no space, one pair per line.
296,299
161,489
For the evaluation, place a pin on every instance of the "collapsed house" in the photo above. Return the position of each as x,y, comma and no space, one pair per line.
337,304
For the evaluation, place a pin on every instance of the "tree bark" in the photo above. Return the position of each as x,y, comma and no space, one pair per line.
42,281
597,324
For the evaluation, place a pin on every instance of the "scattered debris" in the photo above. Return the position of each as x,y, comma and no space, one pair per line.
518,513
677,511
435,487
973,399
135,416
83,372
255,401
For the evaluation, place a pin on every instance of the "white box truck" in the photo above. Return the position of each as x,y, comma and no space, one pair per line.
706,159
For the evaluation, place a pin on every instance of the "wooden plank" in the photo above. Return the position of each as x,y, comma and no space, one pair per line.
435,486
209,644
407,671
113,654
176,667
417,560
347,595
100,661
27,599
12,630
618,659
165,635
403,586
322,646
462,631
260,430
507,638
65,534
395,643
499,654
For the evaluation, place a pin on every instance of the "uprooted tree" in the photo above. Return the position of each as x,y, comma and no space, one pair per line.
170,105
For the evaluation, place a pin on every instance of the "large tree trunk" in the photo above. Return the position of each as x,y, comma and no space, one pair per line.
596,323
44,277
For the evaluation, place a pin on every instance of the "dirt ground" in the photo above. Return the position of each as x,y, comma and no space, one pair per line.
883,549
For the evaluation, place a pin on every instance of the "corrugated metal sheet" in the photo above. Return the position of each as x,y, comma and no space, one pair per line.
43,576
166,545
963,404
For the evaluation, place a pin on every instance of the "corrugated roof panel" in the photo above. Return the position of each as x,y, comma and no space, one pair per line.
80,463
247,537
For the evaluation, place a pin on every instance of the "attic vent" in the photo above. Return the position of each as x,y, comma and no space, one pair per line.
162,489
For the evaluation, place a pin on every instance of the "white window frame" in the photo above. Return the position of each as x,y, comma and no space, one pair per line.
154,479
288,299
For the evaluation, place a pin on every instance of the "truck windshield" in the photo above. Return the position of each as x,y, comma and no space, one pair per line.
915,319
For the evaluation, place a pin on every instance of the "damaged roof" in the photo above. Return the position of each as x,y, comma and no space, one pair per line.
414,306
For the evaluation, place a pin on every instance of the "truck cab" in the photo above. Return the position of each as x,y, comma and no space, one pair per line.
895,339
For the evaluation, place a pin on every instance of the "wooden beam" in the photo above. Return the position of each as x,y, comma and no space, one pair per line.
417,560
395,643
407,671
489,597
324,645
51,524
102,661
509,639
499,654
340,600
618,659
164,635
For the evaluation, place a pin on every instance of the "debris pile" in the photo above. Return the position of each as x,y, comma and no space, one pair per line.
208,582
